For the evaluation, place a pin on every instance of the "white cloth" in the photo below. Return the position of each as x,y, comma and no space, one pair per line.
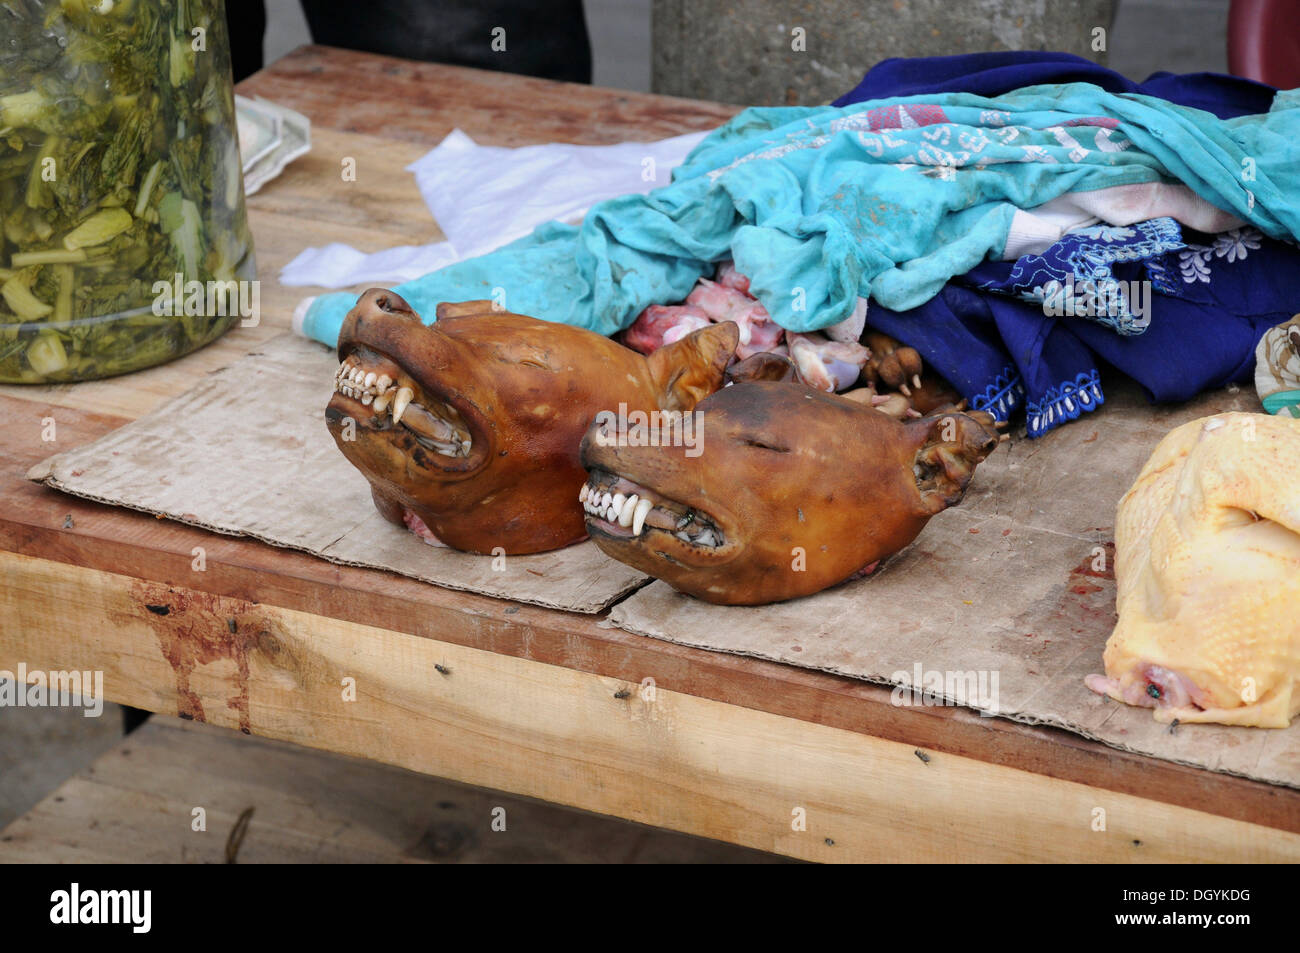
1034,230
484,197
341,266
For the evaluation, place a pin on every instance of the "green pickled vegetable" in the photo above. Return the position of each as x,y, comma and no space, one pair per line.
118,170
55,256
97,229
46,354
24,304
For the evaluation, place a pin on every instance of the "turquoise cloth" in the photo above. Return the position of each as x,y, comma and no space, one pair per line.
1288,400
885,199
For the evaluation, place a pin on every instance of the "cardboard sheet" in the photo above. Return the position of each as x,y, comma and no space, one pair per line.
1017,582
246,453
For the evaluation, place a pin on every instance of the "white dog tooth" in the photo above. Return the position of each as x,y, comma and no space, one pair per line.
371,378
383,382
582,494
404,397
367,399
639,515
381,403
616,504
629,508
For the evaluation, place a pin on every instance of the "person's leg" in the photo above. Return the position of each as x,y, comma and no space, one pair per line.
489,34
246,26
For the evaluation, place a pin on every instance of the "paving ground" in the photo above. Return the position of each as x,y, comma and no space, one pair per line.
41,747
265,801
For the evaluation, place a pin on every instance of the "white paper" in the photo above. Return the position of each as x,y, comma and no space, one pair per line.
484,197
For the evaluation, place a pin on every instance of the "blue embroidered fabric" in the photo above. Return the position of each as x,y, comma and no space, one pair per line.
1217,296
1030,333
1076,275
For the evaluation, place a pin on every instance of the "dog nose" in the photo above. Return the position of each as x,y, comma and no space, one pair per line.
387,302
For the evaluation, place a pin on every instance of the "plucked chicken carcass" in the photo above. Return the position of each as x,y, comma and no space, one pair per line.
1208,569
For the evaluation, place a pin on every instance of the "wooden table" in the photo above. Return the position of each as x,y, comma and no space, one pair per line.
523,699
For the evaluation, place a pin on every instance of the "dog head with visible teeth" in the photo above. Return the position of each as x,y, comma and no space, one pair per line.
793,490
468,429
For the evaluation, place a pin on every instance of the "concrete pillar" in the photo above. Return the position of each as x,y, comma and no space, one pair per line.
748,51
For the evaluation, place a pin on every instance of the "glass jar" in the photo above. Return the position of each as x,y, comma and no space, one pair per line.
120,184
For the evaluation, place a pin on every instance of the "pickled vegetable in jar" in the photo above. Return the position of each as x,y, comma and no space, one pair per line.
119,175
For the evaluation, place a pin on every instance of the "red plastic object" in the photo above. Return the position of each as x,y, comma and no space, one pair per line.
1264,41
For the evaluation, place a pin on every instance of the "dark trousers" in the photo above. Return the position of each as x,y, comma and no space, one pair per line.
547,39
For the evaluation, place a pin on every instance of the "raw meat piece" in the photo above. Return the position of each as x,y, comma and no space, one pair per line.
825,364
729,277
647,333
758,332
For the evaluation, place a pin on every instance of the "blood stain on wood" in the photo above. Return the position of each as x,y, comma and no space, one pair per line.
192,630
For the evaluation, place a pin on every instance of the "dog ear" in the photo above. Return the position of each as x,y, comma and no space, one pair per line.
689,370
951,446
764,366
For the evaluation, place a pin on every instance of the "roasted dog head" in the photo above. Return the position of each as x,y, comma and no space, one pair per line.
779,491
468,429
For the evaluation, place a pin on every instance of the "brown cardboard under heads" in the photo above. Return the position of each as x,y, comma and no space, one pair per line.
246,453
1017,581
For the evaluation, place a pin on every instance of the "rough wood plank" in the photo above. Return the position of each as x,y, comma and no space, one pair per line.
32,522
597,743
422,102
136,804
